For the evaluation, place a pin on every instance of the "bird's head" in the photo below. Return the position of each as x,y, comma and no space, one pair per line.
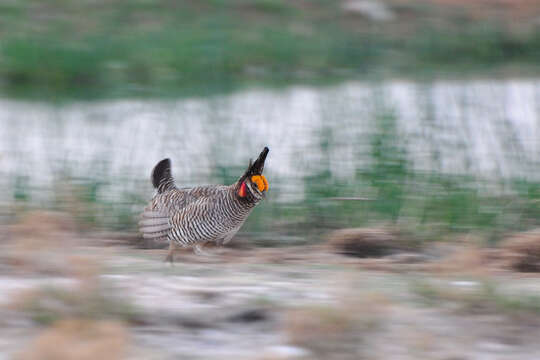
252,185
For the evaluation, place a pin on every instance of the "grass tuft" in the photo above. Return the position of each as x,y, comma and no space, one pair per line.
335,331
79,339
522,251
481,297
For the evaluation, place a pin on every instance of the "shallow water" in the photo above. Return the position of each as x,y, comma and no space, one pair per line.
485,128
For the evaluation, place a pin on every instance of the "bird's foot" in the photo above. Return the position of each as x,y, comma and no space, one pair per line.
170,258
198,250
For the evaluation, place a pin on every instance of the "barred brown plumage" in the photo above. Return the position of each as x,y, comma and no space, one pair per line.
194,216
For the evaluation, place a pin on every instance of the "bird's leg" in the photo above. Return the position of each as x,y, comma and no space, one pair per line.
170,254
198,249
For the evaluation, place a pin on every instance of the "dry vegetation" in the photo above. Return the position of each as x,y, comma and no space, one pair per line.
80,339
44,243
47,305
337,330
522,251
482,296
86,319
466,259
40,242
387,250
88,298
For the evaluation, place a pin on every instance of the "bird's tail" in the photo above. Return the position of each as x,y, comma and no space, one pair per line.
162,177
154,225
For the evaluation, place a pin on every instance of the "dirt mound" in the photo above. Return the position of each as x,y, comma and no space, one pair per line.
364,242
522,251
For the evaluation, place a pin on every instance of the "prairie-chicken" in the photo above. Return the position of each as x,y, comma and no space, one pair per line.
191,217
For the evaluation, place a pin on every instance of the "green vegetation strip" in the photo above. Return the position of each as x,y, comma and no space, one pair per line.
165,48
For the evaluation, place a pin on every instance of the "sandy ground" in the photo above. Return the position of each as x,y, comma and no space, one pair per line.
287,303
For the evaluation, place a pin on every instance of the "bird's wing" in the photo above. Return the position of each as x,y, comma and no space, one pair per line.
177,199
154,224
190,219
155,220
168,209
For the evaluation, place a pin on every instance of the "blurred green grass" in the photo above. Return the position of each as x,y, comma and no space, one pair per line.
124,48
164,48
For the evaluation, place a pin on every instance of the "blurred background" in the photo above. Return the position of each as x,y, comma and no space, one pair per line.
404,161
